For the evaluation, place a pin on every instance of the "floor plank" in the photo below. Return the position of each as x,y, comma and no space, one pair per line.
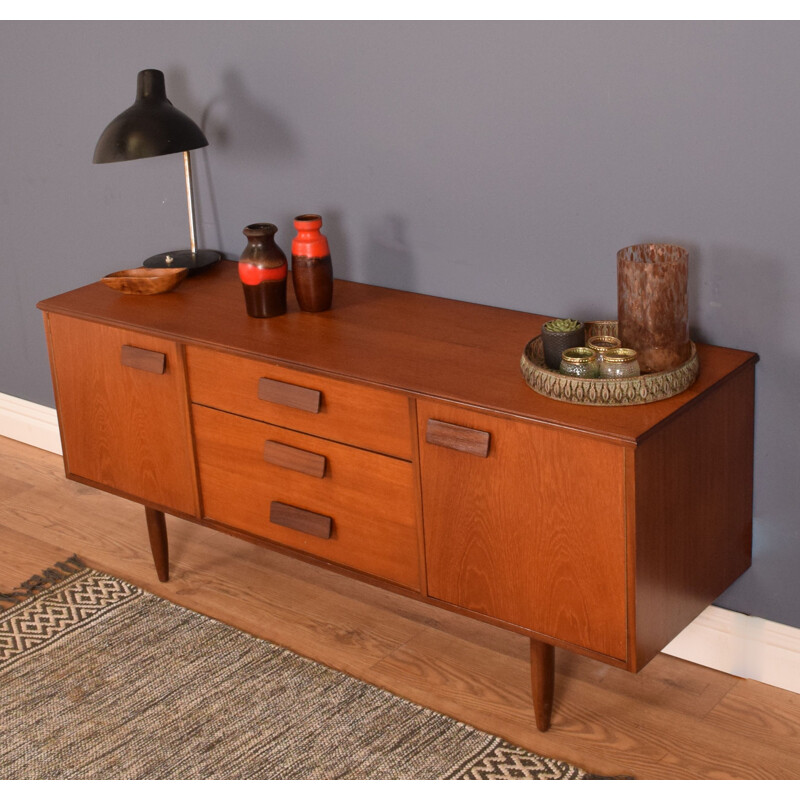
674,720
761,713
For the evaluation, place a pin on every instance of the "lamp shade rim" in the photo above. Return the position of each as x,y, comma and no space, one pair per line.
152,126
130,136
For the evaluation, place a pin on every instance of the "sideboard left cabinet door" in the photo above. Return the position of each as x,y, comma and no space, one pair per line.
123,411
525,523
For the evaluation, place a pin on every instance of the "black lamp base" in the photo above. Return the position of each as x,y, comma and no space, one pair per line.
184,259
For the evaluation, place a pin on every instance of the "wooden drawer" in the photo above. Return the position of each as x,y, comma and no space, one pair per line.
375,419
340,503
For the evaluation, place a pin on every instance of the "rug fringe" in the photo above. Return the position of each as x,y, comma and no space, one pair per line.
37,583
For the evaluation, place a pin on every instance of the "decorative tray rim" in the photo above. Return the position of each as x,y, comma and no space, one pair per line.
606,391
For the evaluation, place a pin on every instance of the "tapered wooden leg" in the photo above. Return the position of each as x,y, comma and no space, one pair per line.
157,530
542,682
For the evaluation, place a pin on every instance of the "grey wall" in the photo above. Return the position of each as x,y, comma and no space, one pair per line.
498,162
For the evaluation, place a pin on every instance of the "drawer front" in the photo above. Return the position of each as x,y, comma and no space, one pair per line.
123,411
343,504
526,524
374,419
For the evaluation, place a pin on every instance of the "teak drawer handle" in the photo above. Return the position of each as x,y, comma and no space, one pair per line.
283,455
287,394
146,360
298,519
457,437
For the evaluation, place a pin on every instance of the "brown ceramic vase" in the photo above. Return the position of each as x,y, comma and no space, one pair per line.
262,271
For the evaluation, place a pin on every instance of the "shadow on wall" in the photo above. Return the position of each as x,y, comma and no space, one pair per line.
743,299
388,259
181,97
737,294
333,227
746,301
234,123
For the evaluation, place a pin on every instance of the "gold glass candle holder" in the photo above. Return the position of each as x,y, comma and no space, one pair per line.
619,362
602,344
579,362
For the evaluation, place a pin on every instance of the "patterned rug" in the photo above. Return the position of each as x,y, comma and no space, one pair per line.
101,679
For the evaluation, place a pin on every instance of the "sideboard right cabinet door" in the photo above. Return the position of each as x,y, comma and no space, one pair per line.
525,523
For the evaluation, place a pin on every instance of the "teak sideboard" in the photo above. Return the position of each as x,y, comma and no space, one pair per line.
395,439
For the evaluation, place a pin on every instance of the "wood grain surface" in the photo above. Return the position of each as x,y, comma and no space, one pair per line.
124,427
540,532
457,437
305,461
367,417
298,519
287,394
534,533
673,720
427,345
694,512
369,497
145,360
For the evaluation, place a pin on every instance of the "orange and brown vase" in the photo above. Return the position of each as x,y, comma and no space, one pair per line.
653,304
312,271
262,270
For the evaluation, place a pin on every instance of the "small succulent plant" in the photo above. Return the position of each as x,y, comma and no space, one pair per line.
562,325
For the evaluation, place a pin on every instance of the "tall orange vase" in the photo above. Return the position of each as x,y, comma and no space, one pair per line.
312,271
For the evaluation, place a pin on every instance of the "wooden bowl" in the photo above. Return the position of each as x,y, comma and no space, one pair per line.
144,280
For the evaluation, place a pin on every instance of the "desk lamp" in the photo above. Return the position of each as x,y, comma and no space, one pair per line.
152,126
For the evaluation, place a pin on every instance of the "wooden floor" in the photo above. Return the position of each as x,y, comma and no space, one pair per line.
674,720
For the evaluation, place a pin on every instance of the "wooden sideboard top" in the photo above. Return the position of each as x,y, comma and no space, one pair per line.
431,346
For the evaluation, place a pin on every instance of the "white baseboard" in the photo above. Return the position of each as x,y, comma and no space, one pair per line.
741,645
724,640
29,423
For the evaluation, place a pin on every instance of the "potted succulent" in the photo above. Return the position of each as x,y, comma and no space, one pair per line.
559,335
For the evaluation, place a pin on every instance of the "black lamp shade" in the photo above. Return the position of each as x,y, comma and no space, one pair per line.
152,126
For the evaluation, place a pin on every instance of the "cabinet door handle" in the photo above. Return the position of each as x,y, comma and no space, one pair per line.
287,394
283,455
298,519
457,437
147,360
